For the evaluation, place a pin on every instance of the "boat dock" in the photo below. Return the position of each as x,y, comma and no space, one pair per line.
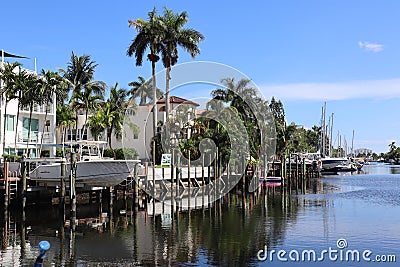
17,187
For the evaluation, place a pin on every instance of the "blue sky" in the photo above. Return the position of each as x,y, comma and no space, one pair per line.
303,52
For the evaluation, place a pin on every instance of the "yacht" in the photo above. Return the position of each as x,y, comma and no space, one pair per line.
92,169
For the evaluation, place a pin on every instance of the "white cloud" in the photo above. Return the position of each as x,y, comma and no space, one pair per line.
374,47
371,89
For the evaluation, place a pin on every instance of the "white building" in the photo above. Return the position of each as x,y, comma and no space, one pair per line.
142,118
40,129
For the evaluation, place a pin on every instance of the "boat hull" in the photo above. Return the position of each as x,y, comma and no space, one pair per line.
270,181
88,173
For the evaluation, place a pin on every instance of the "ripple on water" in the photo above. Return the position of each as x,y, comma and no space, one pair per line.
373,188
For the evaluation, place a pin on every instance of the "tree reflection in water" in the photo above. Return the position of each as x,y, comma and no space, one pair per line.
229,232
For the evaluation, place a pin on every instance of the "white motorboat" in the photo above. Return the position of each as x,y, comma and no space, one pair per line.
334,164
92,169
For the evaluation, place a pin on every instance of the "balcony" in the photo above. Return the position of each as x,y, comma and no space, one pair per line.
39,108
35,137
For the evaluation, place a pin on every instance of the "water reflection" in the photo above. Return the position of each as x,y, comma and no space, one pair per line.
228,232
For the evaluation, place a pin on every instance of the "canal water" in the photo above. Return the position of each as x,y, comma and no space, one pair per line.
341,220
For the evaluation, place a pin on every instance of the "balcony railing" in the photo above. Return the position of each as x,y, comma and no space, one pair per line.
39,108
35,137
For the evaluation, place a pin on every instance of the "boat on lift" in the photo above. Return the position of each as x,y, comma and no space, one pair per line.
92,169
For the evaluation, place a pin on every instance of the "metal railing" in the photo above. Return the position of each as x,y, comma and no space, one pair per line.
39,108
35,137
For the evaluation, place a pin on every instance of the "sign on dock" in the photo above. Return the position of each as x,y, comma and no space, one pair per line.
166,160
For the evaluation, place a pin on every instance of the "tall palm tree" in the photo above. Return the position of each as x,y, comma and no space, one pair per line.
8,90
51,83
176,35
80,74
24,81
86,100
142,89
31,96
150,35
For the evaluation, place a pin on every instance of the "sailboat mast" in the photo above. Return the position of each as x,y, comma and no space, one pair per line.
331,146
323,129
338,143
328,134
352,145
322,132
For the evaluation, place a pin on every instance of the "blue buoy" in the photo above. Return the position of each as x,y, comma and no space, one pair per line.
43,247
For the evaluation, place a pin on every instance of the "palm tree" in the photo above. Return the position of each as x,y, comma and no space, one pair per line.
97,123
142,89
114,112
51,83
31,95
246,101
150,35
80,74
24,81
8,91
87,100
175,35
64,120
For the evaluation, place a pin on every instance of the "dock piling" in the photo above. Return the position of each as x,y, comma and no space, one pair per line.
23,187
6,193
72,189
62,192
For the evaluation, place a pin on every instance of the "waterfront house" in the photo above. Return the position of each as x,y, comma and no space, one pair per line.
39,128
182,110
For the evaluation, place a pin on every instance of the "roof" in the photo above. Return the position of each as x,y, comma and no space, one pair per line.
200,111
177,100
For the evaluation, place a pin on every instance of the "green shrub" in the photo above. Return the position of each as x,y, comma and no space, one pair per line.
121,153
10,158
59,152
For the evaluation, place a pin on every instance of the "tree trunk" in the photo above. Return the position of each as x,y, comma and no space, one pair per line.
76,126
4,127
64,129
44,126
153,72
29,129
143,98
84,125
16,132
167,104
109,134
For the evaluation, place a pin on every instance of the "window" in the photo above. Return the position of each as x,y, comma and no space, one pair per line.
71,135
9,151
31,129
9,122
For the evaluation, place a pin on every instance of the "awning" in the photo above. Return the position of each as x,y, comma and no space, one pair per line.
12,55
